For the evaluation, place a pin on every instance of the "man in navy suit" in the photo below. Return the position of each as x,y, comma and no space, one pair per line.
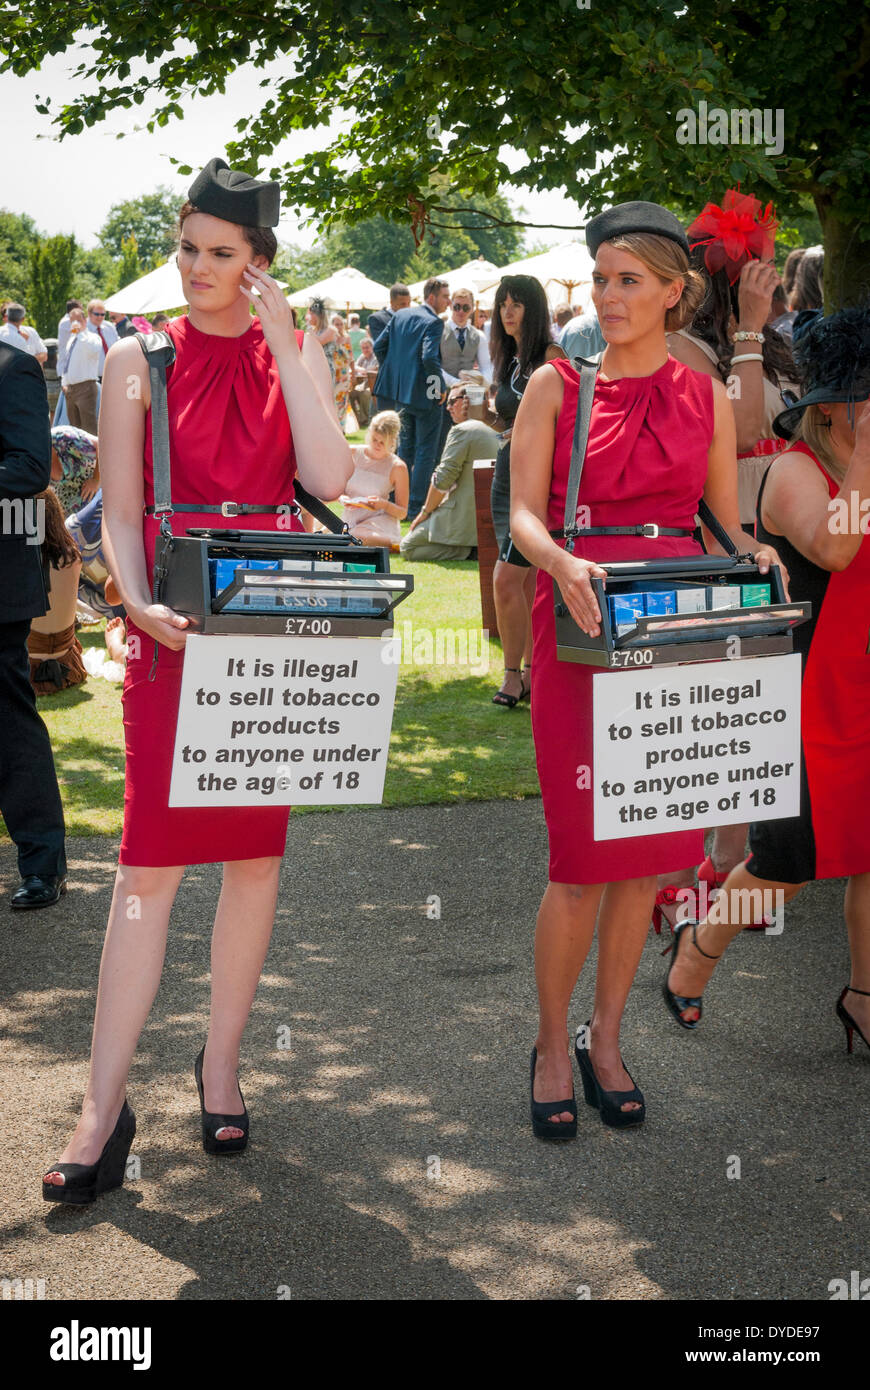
29,796
409,351
400,298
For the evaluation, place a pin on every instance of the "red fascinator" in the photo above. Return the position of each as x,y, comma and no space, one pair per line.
735,233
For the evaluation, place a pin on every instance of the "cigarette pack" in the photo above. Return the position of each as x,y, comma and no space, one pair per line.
625,609
755,595
692,600
724,596
660,601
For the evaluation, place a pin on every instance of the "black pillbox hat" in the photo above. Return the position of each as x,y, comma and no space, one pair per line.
235,196
627,218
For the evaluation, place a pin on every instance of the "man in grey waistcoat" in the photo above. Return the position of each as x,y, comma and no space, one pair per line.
464,349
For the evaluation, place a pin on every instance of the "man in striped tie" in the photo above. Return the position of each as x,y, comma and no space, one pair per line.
81,365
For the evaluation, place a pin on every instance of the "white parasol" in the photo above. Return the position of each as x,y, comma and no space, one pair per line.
345,289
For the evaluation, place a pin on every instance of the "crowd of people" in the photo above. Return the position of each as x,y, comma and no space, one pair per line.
714,381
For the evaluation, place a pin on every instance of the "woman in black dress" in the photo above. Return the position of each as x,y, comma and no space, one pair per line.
519,342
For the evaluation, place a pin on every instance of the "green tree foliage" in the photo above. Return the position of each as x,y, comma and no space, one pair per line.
94,272
52,263
385,250
129,267
590,93
18,236
150,219
95,275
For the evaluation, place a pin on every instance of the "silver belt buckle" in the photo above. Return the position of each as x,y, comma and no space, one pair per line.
651,530
229,508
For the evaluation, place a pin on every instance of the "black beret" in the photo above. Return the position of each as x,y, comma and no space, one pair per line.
626,218
235,196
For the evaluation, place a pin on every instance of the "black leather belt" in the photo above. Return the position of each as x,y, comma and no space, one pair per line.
223,509
649,529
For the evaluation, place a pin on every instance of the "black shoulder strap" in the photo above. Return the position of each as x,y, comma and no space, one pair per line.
713,524
159,351
588,373
318,509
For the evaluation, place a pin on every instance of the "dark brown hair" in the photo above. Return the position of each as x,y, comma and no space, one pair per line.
711,324
262,240
535,336
789,270
807,289
59,548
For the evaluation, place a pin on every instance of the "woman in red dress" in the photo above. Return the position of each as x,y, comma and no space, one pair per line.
814,504
661,437
250,405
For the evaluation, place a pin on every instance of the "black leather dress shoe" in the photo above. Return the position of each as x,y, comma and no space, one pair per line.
36,891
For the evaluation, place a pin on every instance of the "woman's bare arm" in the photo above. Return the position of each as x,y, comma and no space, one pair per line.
797,505
532,445
322,453
720,489
125,399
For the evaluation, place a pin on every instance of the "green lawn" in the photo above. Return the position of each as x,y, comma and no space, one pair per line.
449,741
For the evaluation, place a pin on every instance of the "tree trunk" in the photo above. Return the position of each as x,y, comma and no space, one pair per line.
847,260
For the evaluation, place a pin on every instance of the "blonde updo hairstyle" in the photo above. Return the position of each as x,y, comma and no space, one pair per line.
669,262
388,426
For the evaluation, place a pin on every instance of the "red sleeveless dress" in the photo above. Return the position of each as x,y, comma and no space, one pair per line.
835,717
230,440
828,839
646,461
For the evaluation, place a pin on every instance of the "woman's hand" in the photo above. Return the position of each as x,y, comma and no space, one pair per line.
573,577
89,488
273,312
161,623
758,280
764,557
377,503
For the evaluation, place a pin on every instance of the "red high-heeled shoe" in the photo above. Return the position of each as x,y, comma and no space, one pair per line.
665,897
711,876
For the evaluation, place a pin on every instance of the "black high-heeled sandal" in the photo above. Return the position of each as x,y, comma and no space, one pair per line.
527,689
212,1122
846,1018
83,1182
678,1002
609,1103
543,1126
508,701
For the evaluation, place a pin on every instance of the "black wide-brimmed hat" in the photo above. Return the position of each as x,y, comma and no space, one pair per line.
628,218
235,196
833,357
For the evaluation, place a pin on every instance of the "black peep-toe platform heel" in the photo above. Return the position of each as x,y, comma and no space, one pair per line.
212,1123
85,1181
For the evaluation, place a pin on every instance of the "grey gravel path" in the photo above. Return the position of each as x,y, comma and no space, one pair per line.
391,1153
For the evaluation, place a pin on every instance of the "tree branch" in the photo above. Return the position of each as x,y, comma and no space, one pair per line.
502,221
